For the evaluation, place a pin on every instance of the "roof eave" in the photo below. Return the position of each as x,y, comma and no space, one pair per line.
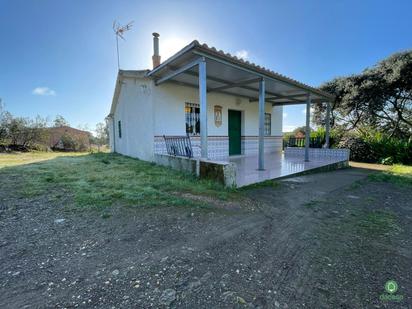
212,52
261,71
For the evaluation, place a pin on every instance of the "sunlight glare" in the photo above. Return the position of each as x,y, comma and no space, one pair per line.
168,46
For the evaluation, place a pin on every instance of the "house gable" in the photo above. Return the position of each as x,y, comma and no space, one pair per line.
131,112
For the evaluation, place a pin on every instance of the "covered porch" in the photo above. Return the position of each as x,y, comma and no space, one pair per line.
209,70
280,165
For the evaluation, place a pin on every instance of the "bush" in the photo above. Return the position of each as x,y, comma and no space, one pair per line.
20,133
71,142
390,150
68,142
360,150
376,147
334,137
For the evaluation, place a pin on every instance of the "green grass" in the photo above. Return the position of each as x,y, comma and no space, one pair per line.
365,223
397,174
355,185
103,179
375,223
20,158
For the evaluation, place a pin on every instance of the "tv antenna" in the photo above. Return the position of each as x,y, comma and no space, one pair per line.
119,32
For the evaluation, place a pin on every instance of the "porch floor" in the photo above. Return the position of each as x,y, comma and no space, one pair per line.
276,166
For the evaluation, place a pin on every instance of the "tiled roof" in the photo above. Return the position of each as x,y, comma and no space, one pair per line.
239,61
256,67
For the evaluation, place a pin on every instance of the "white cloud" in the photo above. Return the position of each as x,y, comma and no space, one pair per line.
44,91
289,128
244,54
285,115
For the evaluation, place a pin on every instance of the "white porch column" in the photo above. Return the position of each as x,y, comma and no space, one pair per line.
203,108
327,124
307,129
261,164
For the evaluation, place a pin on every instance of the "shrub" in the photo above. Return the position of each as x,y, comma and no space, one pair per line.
390,150
68,142
334,137
360,150
288,135
377,147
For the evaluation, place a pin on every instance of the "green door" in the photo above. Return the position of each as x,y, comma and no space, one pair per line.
234,132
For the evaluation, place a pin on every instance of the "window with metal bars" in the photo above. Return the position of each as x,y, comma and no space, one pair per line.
268,124
192,115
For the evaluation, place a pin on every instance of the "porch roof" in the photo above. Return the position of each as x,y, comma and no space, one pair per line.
231,75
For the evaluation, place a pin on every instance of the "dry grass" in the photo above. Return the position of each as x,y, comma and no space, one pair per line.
20,158
104,179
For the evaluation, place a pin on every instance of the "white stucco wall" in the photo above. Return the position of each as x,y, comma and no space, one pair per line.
169,102
148,111
135,111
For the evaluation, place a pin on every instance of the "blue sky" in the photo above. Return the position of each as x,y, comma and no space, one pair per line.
59,57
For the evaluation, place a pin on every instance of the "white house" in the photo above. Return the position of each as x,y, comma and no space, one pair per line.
227,106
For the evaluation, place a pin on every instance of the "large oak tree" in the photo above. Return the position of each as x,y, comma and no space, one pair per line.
380,98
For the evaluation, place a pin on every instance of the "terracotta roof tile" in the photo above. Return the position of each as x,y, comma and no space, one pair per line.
257,67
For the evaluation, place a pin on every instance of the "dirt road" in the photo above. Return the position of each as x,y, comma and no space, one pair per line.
328,240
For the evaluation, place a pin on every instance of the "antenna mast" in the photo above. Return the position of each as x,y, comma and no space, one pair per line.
119,32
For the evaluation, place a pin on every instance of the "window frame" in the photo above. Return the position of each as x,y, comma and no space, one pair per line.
119,127
268,124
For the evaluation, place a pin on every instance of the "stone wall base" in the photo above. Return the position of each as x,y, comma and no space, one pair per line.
221,172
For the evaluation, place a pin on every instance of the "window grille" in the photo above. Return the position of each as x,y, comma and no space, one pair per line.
192,115
268,124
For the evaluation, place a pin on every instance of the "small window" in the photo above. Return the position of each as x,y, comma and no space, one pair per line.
120,128
192,115
268,124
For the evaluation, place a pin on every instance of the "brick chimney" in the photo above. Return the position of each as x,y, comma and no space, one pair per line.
156,56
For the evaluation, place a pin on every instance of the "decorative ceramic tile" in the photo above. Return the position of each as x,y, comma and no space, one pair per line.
218,146
318,153
250,144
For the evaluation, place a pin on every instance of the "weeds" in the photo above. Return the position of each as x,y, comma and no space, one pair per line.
378,223
103,179
398,174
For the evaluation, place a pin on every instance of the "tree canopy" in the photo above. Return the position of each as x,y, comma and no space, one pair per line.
380,98
102,134
60,121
